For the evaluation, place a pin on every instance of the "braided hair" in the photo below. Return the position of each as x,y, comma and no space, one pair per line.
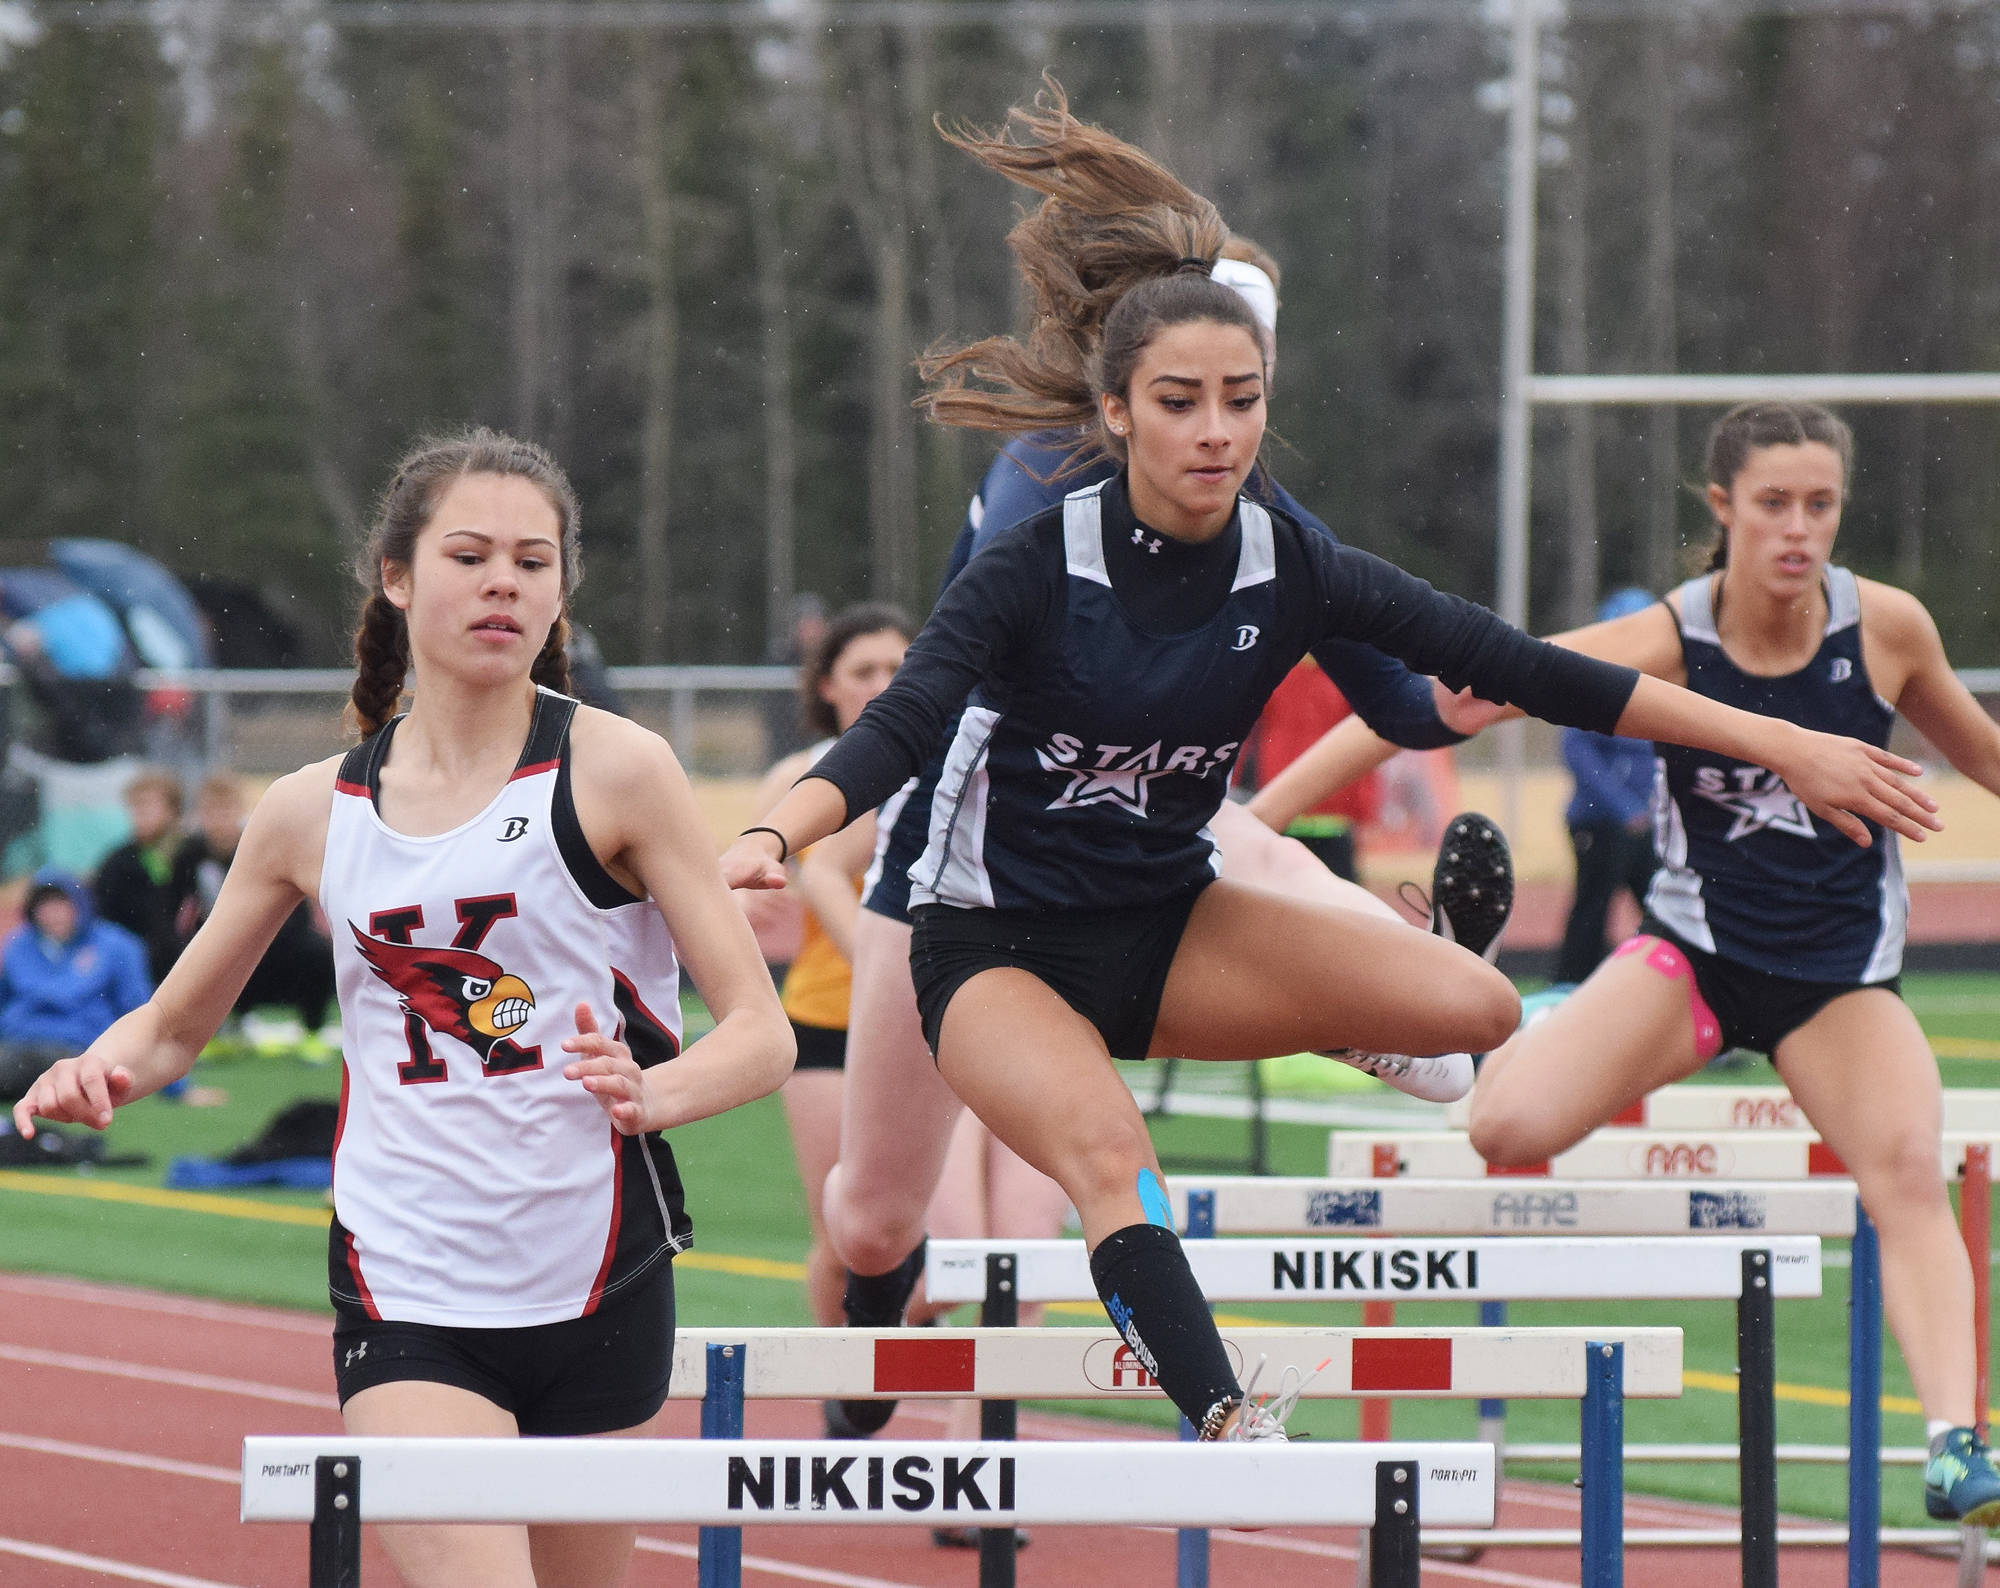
382,636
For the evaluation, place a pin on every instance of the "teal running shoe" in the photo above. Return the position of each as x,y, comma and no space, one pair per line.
1960,1483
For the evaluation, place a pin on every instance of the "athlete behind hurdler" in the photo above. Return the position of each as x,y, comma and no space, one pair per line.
1767,930
898,1115
852,664
1116,650
511,879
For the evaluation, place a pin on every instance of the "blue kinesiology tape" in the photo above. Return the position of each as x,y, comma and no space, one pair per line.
1153,1199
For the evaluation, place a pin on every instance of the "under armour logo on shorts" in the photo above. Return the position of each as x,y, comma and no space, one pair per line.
355,1354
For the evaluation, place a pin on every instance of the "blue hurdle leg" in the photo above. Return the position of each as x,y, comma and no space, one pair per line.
720,1563
1864,1407
1493,1414
1604,1466
1190,1543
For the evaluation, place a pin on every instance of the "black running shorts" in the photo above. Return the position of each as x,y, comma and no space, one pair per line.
592,1375
1110,966
1755,1008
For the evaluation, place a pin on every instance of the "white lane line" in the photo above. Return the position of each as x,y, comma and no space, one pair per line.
777,1568
167,1375
1443,1568
233,1476
175,1306
123,1570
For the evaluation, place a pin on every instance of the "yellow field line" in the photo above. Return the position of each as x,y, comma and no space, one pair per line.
156,1197
1965,1048
755,1267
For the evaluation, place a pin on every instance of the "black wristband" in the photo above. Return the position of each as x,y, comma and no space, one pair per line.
784,846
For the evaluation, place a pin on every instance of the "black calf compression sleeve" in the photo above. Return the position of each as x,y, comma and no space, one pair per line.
1146,1286
876,1301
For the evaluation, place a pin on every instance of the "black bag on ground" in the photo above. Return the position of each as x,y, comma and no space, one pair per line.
300,1130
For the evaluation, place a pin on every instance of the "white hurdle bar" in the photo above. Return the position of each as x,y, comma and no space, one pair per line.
1617,1153
337,1483
1089,1364
1268,1205
1752,1270
1704,1108
1471,1268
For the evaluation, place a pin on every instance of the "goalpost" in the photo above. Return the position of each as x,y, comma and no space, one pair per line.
1522,390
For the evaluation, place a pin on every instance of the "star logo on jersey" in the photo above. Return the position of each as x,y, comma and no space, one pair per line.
1757,799
454,991
1122,784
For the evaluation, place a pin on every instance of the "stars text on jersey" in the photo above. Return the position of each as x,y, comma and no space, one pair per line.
1756,798
1118,774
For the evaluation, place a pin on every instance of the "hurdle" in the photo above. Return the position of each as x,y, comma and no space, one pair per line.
1703,1108
1009,1364
336,1483
1753,1270
1238,1205
1619,1153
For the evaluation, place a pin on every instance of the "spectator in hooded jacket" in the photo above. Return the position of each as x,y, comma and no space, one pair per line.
64,977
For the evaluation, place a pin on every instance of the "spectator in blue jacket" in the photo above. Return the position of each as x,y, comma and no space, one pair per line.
64,977
1610,823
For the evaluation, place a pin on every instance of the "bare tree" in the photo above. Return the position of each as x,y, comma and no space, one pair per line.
662,333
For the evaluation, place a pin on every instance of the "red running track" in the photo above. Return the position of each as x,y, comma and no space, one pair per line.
122,1414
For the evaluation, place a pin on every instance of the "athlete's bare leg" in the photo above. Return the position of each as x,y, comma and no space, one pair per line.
453,1556
1862,1072
1253,853
896,1114
1037,1073
1006,1198
812,1109
1626,1031
1258,974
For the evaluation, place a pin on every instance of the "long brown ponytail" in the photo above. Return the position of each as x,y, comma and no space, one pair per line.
1112,217
382,637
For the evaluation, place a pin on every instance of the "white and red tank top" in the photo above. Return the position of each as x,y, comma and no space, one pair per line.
473,1185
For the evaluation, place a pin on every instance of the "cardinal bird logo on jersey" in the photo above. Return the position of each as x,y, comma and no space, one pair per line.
457,993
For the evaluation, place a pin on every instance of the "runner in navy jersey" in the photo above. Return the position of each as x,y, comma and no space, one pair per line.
1116,651
513,879
1767,930
876,1198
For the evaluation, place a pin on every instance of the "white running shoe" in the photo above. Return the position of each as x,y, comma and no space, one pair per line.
1437,1078
1264,1421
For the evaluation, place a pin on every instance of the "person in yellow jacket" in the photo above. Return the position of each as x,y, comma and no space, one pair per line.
853,663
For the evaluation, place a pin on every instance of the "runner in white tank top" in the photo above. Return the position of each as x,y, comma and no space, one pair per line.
461,957
510,880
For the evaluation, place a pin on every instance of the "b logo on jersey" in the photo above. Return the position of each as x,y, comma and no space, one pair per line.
1120,775
515,826
1756,798
457,993
1246,636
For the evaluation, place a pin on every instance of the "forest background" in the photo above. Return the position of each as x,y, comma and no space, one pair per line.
248,248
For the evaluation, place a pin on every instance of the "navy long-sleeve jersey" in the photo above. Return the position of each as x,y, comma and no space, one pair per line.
1097,741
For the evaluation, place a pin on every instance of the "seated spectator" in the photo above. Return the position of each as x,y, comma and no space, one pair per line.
297,970
64,977
134,887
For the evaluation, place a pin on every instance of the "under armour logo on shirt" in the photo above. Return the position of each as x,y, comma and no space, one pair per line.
1150,542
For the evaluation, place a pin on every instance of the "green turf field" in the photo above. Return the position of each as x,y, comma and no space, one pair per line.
269,1246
